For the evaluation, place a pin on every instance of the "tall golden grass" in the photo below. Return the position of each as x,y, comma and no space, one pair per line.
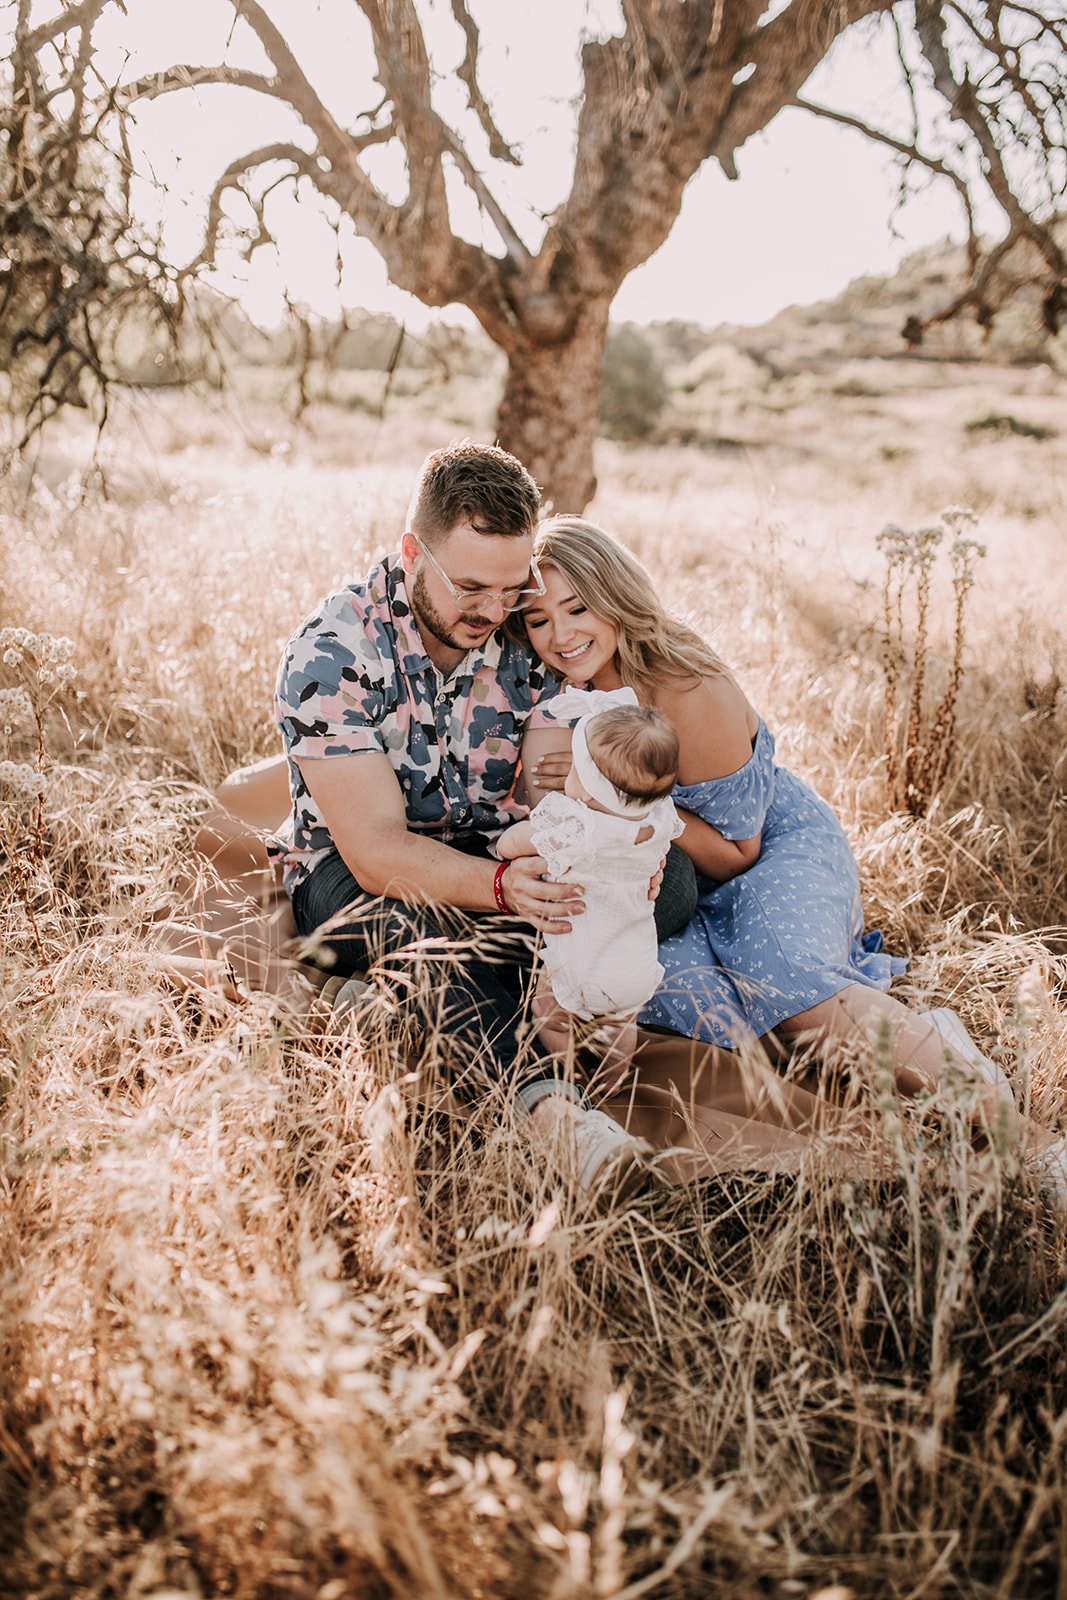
277,1322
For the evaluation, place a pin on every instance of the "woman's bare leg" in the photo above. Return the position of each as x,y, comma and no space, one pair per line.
918,1051
230,917
615,1041
720,1111
858,1012
250,803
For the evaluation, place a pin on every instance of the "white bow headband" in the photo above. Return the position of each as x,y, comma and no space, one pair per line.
586,704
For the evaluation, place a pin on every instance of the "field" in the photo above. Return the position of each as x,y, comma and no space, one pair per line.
276,1320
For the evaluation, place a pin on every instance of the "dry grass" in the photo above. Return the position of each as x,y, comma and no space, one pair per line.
274,1326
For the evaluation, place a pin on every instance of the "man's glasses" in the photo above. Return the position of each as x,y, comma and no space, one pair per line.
474,599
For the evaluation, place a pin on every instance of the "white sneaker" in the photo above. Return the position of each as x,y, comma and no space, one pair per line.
350,995
611,1163
1049,1166
948,1025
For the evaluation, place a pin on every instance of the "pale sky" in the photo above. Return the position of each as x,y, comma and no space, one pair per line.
811,211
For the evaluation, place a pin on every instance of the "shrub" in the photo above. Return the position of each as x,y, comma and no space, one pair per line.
633,390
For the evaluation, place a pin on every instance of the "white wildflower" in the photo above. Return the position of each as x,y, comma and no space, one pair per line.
14,704
965,549
49,653
53,648
22,779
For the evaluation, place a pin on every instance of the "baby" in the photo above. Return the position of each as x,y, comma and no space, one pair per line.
613,824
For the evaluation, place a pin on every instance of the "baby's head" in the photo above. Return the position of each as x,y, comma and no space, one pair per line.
634,748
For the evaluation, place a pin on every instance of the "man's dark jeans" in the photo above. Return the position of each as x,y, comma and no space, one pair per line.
466,973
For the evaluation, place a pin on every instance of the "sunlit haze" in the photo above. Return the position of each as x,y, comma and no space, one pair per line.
814,207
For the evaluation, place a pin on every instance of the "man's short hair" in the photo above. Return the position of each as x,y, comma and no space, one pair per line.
476,483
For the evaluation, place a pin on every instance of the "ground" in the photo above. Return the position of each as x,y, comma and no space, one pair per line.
271,1325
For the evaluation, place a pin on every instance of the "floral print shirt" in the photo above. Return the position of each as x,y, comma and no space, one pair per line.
355,677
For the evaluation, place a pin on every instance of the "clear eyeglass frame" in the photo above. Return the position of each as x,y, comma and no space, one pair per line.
471,599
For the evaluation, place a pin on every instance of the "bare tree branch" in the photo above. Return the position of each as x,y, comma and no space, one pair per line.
184,76
786,52
973,296
910,152
467,72
965,107
231,179
293,85
403,72
73,17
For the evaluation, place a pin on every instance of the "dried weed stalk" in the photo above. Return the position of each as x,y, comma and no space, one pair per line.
43,664
278,1317
918,741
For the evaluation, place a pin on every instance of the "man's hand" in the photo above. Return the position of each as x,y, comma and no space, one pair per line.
548,906
656,881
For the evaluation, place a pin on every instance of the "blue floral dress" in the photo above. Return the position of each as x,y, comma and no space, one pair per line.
779,937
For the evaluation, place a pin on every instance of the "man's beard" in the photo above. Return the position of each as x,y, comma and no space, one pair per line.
430,618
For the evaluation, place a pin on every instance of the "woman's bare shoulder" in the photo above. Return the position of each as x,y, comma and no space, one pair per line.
716,726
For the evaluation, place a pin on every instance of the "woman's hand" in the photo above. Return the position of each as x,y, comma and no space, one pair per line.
550,770
548,906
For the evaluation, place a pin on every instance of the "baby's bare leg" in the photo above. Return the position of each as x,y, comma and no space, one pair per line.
553,1023
620,1043
616,1040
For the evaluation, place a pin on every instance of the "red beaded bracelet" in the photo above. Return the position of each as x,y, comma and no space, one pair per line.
498,889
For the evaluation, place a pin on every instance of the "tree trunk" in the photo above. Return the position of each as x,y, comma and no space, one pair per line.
548,413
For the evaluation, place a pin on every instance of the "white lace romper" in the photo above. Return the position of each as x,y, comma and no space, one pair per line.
608,962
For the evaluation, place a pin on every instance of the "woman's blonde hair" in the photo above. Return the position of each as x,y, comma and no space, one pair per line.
613,585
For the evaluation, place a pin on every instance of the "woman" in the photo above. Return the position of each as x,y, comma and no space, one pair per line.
776,950
230,929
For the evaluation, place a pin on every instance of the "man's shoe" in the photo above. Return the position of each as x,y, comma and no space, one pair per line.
350,995
611,1164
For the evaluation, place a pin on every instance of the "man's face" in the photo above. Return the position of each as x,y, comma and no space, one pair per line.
471,561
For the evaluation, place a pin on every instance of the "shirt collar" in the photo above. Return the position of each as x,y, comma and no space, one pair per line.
411,652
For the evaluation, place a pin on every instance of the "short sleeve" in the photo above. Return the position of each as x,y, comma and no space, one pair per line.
736,805
543,690
335,685
563,832
666,822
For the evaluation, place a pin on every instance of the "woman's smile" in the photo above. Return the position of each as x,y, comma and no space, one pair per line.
568,637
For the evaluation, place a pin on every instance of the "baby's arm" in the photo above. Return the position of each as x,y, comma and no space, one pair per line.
516,841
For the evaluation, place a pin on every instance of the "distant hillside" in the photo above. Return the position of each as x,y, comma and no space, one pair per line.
867,319
676,378
661,382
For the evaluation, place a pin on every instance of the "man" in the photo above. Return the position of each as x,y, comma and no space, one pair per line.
404,711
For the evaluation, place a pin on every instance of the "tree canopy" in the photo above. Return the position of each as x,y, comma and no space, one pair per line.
679,82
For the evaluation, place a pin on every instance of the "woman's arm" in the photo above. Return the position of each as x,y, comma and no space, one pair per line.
716,726
553,743
710,853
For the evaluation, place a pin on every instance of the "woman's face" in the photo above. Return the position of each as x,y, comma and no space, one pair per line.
569,638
